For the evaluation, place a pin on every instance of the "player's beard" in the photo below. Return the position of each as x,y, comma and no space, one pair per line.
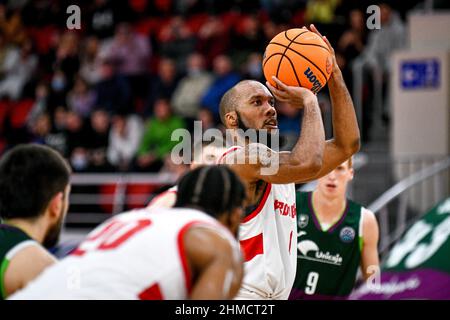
52,237
241,124
267,142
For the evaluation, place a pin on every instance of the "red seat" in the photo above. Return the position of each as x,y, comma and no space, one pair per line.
139,194
147,26
19,112
107,190
42,37
194,23
4,108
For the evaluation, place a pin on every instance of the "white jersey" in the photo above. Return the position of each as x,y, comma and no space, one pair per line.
268,241
135,255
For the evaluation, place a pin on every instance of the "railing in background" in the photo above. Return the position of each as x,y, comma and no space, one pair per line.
122,194
426,186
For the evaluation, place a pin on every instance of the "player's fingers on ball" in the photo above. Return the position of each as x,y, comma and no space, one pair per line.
276,92
271,87
328,44
281,98
280,84
314,29
279,94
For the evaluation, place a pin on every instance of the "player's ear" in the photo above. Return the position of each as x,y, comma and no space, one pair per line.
55,206
231,120
352,173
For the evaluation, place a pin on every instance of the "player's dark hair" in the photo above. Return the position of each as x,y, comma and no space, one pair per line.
30,176
214,189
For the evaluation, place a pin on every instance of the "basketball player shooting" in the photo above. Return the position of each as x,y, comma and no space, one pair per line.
267,232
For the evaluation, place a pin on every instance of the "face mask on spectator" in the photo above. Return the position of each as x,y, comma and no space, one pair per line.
79,161
194,72
58,83
254,70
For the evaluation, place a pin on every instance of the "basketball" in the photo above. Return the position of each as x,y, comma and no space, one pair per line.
298,57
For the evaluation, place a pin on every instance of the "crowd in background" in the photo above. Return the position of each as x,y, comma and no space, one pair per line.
109,95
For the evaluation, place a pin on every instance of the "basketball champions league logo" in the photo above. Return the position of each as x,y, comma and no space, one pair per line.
262,146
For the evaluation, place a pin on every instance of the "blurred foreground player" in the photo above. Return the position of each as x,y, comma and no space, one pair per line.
418,266
335,237
186,252
34,190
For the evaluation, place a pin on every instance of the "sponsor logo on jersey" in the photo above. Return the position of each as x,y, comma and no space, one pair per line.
303,220
313,79
285,209
347,234
310,251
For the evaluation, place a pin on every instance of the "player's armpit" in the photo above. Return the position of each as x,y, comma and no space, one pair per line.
258,162
369,255
26,265
215,269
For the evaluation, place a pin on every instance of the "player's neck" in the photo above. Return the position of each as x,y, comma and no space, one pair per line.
327,207
34,229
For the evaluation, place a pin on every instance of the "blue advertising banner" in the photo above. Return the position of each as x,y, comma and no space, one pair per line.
420,74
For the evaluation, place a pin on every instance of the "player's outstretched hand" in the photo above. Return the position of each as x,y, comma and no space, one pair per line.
297,97
314,29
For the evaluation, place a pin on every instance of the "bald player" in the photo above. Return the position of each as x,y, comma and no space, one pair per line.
268,231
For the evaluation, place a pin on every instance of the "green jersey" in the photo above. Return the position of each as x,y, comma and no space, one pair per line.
418,266
327,259
12,240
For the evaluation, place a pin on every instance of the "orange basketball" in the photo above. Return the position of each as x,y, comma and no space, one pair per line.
298,57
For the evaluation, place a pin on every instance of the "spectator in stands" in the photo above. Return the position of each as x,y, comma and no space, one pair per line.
163,85
91,61
40,129
225,78
207,119
321,11
77,141
113,91
289,120
40,103
156,142
102,18
12,27
176,40
67,60
17,68
189,91
353,40
124,138
58,91
351,43
131,51
384,41
213,39
252,68
81,98
381,44
98,141
57,138
248,37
